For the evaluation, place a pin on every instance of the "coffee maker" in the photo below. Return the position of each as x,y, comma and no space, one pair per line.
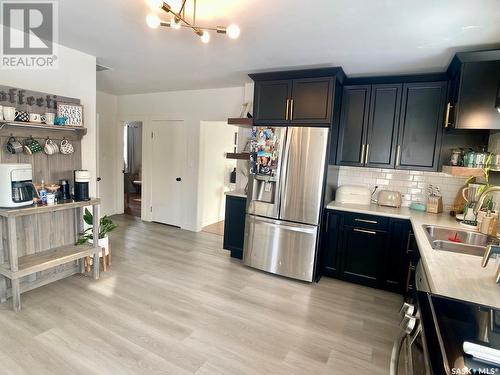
16,185
82,179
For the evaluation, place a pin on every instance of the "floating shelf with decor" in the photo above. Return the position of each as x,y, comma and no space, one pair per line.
37,125
463,171
238,155
240,121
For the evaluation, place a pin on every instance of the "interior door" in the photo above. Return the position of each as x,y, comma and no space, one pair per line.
304,170
168,166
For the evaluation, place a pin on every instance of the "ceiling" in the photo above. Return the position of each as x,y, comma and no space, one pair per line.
365,37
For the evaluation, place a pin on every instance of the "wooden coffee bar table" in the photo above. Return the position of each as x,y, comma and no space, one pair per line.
38,246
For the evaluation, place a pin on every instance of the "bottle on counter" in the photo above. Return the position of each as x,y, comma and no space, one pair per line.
232,176
43,193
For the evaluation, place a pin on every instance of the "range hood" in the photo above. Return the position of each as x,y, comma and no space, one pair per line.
474,100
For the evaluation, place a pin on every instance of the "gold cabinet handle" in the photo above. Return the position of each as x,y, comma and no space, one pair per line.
362,154
366,221
364,231
366,155
291,109
398,155
447,117
287,109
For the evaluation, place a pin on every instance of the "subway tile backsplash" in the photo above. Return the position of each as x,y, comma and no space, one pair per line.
411,184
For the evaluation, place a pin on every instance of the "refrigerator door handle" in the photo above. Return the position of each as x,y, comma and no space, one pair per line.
284,169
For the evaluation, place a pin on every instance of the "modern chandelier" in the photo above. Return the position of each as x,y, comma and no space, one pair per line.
179,19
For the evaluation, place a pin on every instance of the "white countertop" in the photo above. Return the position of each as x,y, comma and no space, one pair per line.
236,193
449,274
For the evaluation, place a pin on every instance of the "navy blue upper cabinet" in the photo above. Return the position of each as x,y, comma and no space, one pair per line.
383,124
369,121
272,101
475,90
420,127
312,100
296,97
353,123
392,125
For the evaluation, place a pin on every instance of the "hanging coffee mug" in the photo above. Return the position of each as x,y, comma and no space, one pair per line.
51,147
32,146
66,148
14,146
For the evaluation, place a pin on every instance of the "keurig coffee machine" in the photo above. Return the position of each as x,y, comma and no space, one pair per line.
82,179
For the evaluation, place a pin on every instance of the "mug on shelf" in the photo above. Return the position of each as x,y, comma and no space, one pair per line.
60,120
51,147
9,113
66,147
35,117
32,146
14,146
48,118
22,116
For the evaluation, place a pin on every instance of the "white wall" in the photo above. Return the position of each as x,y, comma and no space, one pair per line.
75,77
110,144
191,106
216,138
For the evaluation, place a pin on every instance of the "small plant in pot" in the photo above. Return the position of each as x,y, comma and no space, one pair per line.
106,226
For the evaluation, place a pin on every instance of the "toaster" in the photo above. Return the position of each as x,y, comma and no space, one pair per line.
353,194
389,198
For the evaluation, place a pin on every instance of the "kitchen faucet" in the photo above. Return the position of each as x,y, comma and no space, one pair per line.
482,197
491,249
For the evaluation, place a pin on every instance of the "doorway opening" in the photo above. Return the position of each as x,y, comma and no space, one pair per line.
217,173
132,167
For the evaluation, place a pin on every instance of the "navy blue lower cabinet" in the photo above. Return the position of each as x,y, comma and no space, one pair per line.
234,225
365,249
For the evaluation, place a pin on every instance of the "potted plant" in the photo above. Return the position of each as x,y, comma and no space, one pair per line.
106,226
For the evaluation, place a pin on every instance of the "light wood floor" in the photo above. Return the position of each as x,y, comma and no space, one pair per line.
175,303
215,228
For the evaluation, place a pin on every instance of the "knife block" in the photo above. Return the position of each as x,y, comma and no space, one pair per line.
435,205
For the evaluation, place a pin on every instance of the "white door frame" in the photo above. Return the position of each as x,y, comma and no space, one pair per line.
120,188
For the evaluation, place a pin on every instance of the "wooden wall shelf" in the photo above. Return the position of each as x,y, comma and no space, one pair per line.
463,171
240,121
37,125
238,155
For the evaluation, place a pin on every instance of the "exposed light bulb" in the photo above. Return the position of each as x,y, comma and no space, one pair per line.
498,109
153,21
205,37
156,3
175,24
233,31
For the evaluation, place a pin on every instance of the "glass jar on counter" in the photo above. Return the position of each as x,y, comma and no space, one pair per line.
480,158
457,157
470,158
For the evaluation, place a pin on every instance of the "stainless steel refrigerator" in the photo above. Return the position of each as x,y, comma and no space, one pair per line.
285,199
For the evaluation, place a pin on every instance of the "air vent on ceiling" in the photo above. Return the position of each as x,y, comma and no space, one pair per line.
101,68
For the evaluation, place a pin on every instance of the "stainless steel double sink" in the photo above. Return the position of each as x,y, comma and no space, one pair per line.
458,241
